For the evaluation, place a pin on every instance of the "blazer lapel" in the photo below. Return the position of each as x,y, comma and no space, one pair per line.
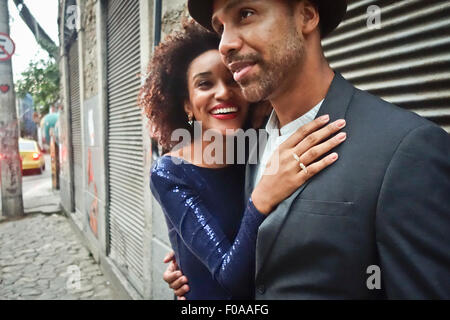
268,230
337,99
335,104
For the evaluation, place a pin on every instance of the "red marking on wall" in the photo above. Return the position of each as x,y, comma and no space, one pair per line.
93,210
4,88
10,156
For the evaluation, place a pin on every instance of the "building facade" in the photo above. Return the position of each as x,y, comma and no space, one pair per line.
398,50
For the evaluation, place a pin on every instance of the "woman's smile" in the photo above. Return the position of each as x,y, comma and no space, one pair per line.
225,111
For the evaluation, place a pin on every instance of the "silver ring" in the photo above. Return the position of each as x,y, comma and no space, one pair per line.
303,168
297,158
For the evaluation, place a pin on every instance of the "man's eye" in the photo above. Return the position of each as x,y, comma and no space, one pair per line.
245,13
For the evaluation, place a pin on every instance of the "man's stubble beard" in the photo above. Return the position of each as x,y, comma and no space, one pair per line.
273,73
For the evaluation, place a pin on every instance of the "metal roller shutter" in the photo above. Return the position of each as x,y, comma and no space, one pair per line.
406,61
75,114
125,143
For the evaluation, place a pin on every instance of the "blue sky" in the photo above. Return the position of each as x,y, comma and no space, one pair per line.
27,49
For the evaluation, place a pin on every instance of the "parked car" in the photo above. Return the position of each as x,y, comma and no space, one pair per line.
31,155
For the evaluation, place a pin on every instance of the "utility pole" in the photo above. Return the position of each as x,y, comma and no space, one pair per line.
10,162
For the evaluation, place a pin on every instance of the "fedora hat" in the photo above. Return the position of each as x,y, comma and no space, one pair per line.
331,13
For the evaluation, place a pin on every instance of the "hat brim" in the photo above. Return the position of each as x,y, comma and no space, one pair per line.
331,13
201,11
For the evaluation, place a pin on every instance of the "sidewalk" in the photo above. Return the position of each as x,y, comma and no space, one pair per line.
41,257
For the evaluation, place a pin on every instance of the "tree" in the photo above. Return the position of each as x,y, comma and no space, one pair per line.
41,80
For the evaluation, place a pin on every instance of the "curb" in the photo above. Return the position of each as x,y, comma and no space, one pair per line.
45,210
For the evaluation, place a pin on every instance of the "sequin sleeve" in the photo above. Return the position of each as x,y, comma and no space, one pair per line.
230,263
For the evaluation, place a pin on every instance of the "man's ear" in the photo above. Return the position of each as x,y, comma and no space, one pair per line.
307,16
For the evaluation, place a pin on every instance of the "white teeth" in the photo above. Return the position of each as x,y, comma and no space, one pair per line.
224,110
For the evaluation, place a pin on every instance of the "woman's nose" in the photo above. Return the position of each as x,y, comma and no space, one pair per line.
223,91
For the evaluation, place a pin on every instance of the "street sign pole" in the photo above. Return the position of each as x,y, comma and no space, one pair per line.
10,162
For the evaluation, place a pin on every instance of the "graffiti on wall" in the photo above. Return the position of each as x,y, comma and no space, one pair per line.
9,158
93,210
63,152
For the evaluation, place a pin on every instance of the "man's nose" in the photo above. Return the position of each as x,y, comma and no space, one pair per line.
230,42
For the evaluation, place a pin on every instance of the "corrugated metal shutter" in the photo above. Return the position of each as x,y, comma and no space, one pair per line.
75,114
406,61
125,143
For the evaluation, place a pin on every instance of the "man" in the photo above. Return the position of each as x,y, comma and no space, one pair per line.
374,225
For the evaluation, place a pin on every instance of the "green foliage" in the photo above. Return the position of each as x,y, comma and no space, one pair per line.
48,46
41,80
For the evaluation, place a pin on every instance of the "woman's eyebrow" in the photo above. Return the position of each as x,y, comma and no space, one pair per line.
202,74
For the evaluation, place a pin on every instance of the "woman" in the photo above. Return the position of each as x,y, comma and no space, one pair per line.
211,229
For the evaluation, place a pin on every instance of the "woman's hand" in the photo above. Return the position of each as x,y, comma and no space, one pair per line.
283,174
174,277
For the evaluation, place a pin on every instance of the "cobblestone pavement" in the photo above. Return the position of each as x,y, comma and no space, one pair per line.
41,258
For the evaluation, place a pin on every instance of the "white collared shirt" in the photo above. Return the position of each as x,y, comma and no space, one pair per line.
278,136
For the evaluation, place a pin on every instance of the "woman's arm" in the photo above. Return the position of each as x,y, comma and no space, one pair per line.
230,263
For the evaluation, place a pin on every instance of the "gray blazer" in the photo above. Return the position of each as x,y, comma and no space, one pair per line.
385,202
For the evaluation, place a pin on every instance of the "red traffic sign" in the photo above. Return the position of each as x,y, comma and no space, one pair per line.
7,47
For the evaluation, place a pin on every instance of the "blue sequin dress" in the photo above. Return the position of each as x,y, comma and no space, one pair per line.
211,228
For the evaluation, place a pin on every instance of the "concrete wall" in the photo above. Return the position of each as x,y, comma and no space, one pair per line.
174,11
93,208
92,221
65,147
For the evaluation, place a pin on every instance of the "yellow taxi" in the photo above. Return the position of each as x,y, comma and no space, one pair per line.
31,155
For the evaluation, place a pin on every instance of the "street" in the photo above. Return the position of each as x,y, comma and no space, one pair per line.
37,188
34,183
41,258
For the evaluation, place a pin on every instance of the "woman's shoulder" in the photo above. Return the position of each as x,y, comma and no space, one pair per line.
165,174
167,165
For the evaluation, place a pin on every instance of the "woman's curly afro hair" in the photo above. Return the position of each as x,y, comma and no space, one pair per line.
165,89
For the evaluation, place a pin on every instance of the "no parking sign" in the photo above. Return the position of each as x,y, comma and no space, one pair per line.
7,47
